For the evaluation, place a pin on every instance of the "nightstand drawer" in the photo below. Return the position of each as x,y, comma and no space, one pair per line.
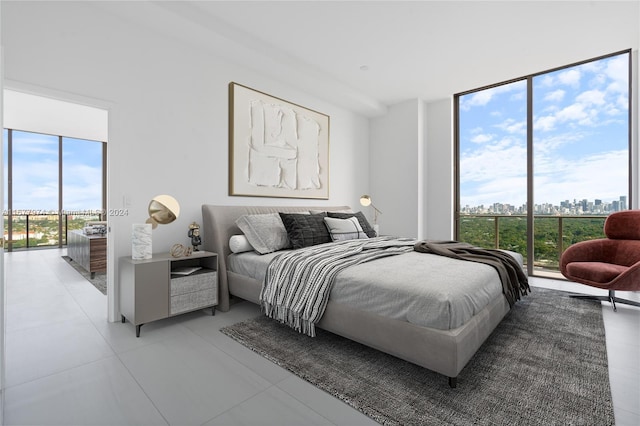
191,301
193,283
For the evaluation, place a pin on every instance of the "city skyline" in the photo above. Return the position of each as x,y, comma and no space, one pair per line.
575,206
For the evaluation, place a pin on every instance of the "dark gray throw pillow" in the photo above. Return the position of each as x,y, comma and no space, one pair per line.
364,223
305,230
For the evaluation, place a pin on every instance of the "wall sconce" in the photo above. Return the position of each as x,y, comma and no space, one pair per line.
163,209
365,200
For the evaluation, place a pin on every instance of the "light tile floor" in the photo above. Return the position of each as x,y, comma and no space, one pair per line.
66,365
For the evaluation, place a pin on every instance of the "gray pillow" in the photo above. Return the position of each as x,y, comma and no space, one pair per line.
345,229
265,232
366,227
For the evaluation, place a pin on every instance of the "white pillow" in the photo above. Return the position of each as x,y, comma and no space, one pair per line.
239,244
265,232
344,229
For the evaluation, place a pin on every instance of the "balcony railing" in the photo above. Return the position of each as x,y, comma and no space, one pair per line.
25,231
552,234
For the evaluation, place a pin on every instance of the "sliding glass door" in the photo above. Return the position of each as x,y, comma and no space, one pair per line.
541,161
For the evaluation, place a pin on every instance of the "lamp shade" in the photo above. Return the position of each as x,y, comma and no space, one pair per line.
365,200
163,209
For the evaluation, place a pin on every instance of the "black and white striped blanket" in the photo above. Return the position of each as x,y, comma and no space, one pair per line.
297,283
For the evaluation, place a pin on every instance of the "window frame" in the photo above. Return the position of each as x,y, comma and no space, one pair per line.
530,181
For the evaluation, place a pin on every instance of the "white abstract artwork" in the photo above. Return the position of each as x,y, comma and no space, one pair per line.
277,149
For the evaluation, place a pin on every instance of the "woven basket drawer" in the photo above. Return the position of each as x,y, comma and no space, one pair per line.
191,301
191,283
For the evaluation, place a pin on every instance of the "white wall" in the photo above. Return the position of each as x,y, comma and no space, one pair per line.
412,169
439,171
168,118
396,184
25,111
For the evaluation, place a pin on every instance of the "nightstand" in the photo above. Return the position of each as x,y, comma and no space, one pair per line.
165,286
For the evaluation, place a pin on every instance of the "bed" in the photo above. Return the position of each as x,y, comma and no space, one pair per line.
443,348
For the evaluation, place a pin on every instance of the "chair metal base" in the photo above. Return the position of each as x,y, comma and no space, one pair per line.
611,298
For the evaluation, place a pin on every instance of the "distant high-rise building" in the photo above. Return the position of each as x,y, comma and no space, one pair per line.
623,202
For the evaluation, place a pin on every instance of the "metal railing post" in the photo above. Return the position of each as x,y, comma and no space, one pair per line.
560,240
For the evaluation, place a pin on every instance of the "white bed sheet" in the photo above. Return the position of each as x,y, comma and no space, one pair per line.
423,289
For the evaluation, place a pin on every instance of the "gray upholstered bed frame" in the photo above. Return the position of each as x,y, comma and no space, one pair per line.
443,351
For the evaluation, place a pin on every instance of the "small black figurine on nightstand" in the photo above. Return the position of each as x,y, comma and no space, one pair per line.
194,233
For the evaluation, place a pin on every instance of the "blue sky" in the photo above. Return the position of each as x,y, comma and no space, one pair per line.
580,137
35,173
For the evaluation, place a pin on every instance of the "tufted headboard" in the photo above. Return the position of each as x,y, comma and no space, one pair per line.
219,224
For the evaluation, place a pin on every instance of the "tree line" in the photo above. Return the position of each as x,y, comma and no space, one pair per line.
512,235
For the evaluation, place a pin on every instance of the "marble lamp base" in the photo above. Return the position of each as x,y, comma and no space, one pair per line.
141,241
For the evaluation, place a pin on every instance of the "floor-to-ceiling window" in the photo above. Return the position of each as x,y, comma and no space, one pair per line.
52,184
83,181
543,159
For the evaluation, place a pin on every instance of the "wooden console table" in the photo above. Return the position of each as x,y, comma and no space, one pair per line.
88,251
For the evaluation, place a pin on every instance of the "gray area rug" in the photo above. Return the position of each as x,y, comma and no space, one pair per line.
545,364
99,281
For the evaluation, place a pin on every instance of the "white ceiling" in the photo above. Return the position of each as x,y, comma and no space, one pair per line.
415,49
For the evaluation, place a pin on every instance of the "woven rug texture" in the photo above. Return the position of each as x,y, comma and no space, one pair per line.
99,281
545,364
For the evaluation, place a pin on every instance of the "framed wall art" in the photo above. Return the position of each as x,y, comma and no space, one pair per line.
276,148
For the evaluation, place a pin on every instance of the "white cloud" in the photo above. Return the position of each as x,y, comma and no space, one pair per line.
618,70
570,77
591,97
485,96
509,190
622,101
482,138
555,96
548,144
83,187
481,98
572,113
513,126
545,123
35,185
594,67
34,146
546,80
505,159
603,176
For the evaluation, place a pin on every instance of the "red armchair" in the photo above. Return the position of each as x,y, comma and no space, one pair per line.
611,263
